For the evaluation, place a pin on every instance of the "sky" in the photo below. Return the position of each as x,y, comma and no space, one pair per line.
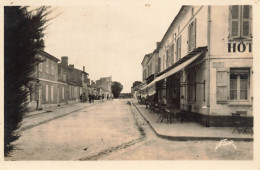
109,39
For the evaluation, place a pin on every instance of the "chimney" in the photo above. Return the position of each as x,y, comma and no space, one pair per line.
64,61
84,68
157,44
71,65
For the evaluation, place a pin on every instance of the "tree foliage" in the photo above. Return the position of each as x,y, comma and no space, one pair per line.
117,87
23,37
136,83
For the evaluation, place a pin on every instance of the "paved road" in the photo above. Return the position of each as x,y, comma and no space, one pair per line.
113,130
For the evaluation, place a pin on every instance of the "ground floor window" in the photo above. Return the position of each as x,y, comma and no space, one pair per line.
239,84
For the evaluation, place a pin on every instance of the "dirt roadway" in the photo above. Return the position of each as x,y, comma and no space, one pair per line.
114,131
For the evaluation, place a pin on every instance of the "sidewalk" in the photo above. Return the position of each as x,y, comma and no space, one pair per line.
39,117
189,130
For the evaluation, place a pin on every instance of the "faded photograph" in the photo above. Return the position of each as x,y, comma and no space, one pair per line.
137,81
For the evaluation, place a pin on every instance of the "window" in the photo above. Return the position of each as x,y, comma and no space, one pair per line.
52,93
47,92
192,36
192,11
240,21
169,57
159,64
164,61
178,49
172,56
47,66
52,67
40,66
239,84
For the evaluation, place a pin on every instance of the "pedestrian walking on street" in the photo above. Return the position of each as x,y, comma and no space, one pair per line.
81,99
89,98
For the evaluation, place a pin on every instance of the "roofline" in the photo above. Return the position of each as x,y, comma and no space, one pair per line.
146,55
48,55
172,24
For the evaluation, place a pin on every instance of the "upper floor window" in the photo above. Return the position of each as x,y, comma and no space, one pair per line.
40,66
192,36
164,61
47,66
178,49
52,67
159,64
240,21
169,57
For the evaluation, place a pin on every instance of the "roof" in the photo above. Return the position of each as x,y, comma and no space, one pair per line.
48,55
172,25
149,56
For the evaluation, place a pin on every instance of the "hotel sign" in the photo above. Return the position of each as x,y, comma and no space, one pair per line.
240,47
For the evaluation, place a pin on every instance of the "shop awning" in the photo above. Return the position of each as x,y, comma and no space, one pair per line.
182,63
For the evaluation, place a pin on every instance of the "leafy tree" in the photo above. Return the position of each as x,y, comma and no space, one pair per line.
136,83
116,88
23,37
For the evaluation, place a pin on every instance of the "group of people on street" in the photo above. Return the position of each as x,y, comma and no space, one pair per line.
83,98
91,98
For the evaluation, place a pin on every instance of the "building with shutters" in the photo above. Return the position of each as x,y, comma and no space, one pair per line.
44,90
206,64
75,81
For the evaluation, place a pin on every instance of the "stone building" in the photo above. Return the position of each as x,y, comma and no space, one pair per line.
44,90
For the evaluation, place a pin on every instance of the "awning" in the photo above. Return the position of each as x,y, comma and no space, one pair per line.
182,63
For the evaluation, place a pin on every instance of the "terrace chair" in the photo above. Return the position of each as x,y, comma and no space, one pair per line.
236,119
246,124
163,115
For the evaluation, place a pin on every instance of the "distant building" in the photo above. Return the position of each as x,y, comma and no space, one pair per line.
105,83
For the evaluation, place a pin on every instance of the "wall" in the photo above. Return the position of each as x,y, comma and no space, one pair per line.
226,60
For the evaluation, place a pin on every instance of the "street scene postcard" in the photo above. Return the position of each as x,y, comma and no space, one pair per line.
141,81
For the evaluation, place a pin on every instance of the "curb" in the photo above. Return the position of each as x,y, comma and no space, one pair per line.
189,138
53,109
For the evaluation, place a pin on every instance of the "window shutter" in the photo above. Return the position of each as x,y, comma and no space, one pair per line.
188,41
235,24
180,48
194,33
222,86
246,21
172,53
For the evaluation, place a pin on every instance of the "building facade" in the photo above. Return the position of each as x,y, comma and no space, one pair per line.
206,63
44,90
105,84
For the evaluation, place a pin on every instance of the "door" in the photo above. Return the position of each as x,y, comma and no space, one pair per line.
40,98
58,96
